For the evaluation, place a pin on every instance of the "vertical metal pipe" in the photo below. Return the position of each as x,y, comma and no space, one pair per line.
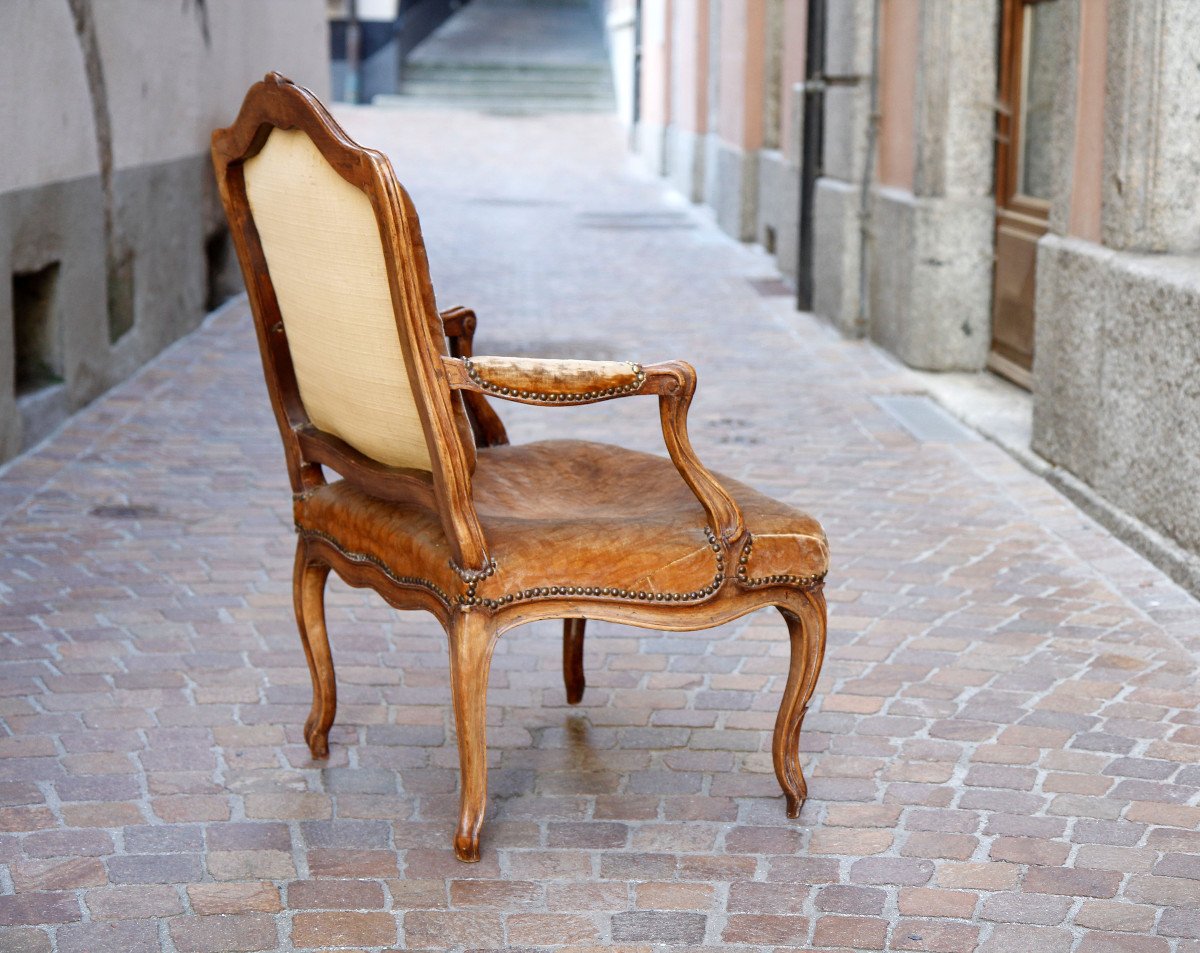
637,71
864,210
353,52
814,135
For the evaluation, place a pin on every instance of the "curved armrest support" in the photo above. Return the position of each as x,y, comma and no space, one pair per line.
676,384
459,324
553,383
459,327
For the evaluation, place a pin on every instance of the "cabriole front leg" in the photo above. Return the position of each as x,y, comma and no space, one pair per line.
308,595
805,617
471,642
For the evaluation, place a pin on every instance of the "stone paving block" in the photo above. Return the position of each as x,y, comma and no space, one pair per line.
217,898
24,940
127,936
929,902
58,874
1032,908
551,929
242,933
658,927
935,936
343,929
437,930
38,907
1117,916
133,902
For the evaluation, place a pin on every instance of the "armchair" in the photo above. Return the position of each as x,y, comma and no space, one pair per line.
434,509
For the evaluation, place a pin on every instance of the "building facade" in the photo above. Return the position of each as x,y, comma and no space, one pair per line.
112,239
1001,186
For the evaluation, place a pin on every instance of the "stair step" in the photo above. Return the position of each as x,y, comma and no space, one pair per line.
465,66
505,91
523,104
515,78
532,87
517,82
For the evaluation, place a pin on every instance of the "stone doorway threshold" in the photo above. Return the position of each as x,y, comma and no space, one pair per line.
997,409
1003,413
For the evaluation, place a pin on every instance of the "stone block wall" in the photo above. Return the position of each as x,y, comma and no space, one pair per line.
1116,393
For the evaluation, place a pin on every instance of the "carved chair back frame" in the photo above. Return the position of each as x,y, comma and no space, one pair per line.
279,104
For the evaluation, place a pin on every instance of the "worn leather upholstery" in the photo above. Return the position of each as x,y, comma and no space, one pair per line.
543,377
567,514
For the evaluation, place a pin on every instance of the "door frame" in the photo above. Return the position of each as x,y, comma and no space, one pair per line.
1021,214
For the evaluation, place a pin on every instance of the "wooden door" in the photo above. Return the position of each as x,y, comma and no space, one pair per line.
1025,173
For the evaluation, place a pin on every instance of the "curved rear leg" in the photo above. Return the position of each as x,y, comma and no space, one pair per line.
471,643
573,659
805,617
308,595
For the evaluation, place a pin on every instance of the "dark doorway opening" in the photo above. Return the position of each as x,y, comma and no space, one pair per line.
37,350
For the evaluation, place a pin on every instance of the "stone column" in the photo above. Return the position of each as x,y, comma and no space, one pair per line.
689,96
731,161
1152,146
656,79
837,225
778,176
930,256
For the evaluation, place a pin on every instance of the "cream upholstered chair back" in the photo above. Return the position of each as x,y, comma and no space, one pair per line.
322,245
348,328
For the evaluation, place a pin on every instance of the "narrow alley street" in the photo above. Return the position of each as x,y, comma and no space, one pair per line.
1003,752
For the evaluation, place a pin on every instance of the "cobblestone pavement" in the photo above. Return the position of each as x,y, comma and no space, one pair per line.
1004,752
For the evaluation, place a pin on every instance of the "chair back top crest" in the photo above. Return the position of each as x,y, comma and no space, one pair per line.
350,336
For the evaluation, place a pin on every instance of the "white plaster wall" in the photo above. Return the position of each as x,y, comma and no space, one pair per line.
46,129
166,88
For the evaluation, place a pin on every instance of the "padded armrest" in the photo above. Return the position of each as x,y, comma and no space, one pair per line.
545,381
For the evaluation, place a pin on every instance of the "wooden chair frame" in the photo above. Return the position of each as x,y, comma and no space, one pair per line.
456,386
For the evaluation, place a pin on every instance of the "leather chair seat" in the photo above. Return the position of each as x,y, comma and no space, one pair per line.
568,517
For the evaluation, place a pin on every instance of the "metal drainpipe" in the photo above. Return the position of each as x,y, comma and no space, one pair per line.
813,125
864,210
637,73
353,52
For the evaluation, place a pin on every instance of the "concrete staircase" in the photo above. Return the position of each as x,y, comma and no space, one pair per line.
505,87
511,56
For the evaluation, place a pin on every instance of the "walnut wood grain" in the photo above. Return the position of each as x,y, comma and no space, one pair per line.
387,483
805,616
459,325
309,595
573,659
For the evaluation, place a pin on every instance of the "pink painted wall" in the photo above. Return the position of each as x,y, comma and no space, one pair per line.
1088,164
689,65
740,83
897,92
656,62
795,28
